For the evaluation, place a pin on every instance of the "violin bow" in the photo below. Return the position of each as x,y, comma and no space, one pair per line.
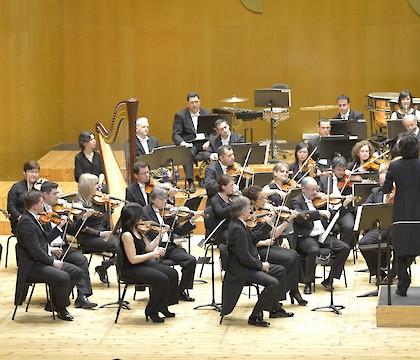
245,164
305,162
373,160
74,238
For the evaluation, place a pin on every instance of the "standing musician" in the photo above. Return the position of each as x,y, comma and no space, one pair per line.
301,155
217,169
405,102
308,231
410,124
405,174
16,195
59,246
88,161
140,264
339,186
35,262
144,143
184,132
276,254
324,129
344,111
155,211
95,235
246,266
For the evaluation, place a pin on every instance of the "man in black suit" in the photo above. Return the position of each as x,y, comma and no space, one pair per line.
217,169
308,230
324,129
16,195
36,264
144,143
344,111
245,265
410,124
184,133
158,200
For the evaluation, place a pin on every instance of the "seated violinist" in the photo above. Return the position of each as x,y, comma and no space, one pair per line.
301,155
308,230
218,168
363,153
58,246
281,184
336,185
264,241
155,212
95,235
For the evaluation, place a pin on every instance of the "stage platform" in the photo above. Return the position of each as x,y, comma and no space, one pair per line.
403,311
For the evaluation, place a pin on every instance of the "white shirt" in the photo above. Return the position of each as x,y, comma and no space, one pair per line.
165,236
225,141
346,115
224,168
318,228
144,143
143,191
194,118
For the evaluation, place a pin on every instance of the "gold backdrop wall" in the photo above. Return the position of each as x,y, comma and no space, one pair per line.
82,56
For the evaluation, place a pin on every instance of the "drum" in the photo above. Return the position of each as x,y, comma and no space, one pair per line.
394,104
278,115
379,105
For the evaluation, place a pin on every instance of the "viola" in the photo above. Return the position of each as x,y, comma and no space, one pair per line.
53,217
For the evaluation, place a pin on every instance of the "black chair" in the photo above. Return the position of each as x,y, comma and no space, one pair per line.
7,249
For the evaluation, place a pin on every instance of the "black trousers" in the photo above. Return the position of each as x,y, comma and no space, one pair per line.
61,281
288,258
274,282
189,164
310,247
345,226
163,281
187,262
84,286
97,243
404,278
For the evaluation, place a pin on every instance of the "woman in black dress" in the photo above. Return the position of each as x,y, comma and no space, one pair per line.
140,264
301,155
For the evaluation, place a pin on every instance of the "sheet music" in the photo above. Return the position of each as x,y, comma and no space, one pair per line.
324,236
358,217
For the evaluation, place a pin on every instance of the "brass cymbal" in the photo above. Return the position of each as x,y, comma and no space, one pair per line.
318,108
234,99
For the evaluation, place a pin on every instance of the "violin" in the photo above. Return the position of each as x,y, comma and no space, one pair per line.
345,183
148,225
309,167
183,212
148,187
258,217
289,185
102,199
65,210
334,200
53,217
236,170
373,163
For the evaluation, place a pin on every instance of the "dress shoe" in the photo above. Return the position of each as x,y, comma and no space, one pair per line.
101,271
327,285
84,303
48,307
401,292
64,315
307,290
258,321
166,313
191,188
280,313
185,297
295,295
155,318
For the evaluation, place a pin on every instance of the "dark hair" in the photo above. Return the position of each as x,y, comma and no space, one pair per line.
300,146
404,94
84,138
222,149
218,122
191,95
130,215
408,146
48,186
252,192
358,146
238,205
139,165
31,165
31,198
339,161
343,97
324,120
223,181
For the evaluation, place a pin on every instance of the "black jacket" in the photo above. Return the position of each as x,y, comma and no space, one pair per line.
134,194
353,116
152,143
83,166
183,127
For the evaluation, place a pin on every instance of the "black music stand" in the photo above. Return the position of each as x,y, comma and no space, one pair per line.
394,129
330,146
262,178
192,203
257,156
363,190
380,217
272,98
349,128
206,123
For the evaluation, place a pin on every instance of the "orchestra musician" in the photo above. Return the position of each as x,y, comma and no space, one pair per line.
276,254
36,264
95,235
16,195
301,155
344,111
324,129
245,266
405,103
88,161
141,264
184,133
362,153
58,246
144,143
405,174
411,126
154,211
345,223
136,192
308,231
276,190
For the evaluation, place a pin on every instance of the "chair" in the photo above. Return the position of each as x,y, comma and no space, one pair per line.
7,249
123,281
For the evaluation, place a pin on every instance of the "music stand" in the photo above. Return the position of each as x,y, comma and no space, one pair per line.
349,128
272,98
262,178
258,153
363,190
331,146
380,217
206,123
394,129
192,203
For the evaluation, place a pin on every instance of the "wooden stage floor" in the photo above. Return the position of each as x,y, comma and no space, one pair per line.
197,334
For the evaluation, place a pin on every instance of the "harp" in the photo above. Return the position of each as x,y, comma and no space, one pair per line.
118,149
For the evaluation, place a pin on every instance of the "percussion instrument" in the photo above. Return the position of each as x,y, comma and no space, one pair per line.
234,99
379,105
277,115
